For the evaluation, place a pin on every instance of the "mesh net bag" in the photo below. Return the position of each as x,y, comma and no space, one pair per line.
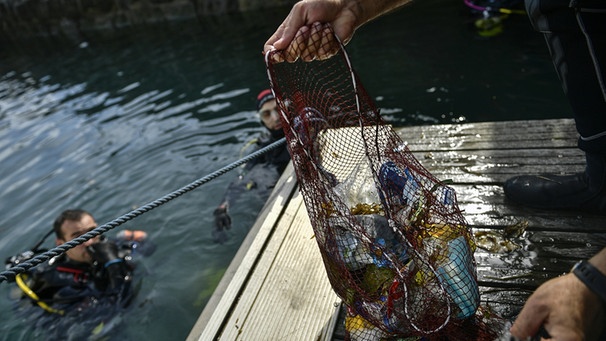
394,243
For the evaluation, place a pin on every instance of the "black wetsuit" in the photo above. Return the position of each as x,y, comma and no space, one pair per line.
85,298
575,31
278,157
64,283
262,172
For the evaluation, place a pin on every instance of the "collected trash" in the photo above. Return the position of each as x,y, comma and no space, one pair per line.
395,245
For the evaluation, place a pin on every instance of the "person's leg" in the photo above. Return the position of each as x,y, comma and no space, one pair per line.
576,37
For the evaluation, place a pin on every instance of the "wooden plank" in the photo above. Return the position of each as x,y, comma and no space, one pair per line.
504,302
250,289
495,171
540,255
486,206
289,296
491,152
559,133
209,324
491,132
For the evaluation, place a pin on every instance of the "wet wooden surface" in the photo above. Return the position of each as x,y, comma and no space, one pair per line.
276,287
478,158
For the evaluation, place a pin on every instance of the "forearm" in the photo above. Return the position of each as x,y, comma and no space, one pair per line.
370,9
565,306
599,261
232,193
592,274
345,16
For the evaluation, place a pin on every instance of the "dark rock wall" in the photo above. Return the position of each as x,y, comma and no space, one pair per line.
71,18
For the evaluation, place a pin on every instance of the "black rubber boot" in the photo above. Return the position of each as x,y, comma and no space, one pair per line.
583,192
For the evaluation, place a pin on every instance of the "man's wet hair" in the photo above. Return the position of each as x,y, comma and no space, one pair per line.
68,215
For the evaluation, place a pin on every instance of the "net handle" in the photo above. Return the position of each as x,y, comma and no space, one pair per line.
341,47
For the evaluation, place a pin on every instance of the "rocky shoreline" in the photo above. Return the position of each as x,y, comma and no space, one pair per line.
69,18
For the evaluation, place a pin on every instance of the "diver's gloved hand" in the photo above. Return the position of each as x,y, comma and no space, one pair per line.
222,218
105,253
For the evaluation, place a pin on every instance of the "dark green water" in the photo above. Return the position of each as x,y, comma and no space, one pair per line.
130,116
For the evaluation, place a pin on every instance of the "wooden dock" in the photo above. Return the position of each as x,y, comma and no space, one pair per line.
276,287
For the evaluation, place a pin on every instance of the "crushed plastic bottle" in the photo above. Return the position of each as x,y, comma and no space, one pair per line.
456,273
374,242
445,196
400,191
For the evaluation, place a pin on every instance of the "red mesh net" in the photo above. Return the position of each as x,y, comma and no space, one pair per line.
395,245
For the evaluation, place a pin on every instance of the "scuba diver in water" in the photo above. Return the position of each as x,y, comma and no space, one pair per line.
91,281
260,173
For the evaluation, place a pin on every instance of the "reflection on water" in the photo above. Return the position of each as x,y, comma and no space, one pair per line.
126,118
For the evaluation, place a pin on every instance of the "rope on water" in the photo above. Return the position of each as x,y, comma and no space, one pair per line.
10,273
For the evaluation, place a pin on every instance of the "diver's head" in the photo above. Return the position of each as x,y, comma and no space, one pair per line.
71,224
268,112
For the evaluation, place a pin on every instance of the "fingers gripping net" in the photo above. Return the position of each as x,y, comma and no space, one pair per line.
395,246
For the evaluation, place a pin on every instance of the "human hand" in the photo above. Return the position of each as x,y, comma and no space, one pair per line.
132,235
104,252
565,307
222,218
305,32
